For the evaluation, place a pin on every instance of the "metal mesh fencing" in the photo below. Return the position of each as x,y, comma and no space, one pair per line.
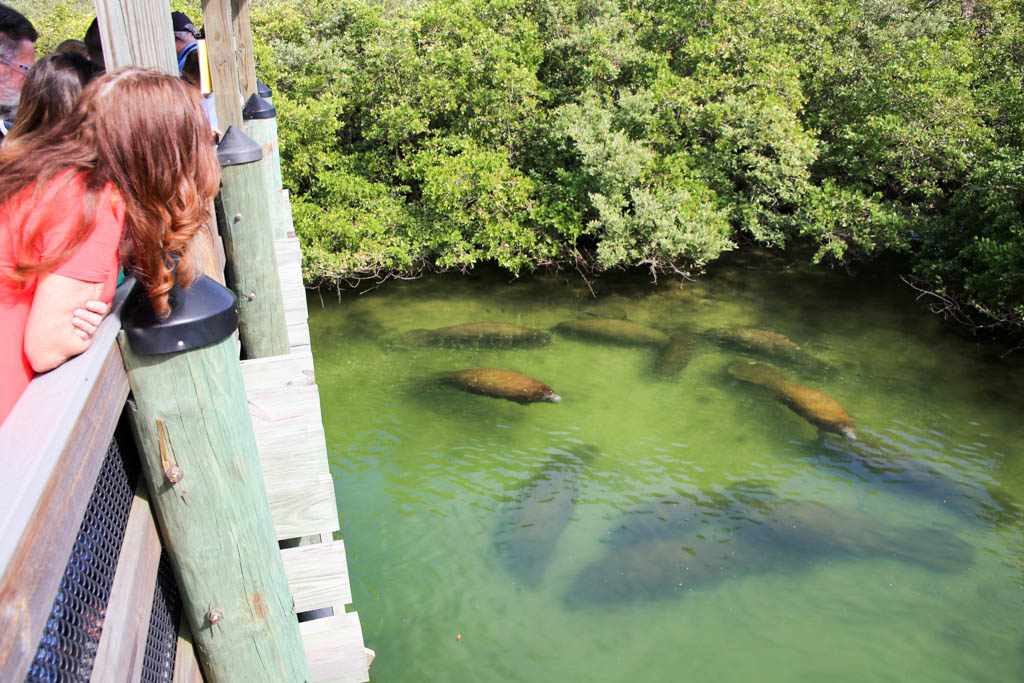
162,639
68,645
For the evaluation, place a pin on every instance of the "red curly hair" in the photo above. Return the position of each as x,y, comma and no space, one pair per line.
145,133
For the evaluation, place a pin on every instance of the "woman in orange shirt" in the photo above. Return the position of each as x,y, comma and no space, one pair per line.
128,173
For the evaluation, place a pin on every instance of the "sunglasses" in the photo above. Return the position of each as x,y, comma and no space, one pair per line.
15,65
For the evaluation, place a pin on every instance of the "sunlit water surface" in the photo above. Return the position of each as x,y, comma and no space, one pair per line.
696,528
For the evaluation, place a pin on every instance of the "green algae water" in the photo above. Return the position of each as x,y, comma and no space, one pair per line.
688,528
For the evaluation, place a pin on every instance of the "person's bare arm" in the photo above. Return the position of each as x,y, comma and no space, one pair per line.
51,336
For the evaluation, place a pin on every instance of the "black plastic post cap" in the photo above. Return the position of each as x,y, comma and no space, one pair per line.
238,148
257,108
263,90
205,313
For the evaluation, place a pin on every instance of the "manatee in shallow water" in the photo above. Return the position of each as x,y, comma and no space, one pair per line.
503,384
879,461
487,334
615,331
765,343
817,407
691,544
674,356
532,523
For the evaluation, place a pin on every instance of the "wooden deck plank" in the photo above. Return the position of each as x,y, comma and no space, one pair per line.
289,265
303,505
298,335
122,647
277,372
318,576
335,649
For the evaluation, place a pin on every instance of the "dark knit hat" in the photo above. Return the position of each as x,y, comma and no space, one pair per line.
183,23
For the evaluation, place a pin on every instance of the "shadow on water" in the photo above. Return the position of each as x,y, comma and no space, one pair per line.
686,544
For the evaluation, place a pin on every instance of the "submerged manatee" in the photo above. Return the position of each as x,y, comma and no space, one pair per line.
765,343
817,407
531,525
503,384
615,331
881,462
674,356
691,544
487,334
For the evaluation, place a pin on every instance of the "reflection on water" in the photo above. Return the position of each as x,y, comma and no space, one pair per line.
668,520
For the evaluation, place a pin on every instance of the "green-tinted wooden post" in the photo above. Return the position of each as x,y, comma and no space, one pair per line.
191,421
261,120
243,209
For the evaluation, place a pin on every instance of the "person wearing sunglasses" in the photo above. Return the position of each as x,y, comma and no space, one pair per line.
17,55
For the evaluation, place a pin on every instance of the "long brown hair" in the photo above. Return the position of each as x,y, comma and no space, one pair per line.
145,133
51,87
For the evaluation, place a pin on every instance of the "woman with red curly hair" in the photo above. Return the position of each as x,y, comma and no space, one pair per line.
127,175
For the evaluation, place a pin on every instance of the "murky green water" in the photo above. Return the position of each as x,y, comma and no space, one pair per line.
691,529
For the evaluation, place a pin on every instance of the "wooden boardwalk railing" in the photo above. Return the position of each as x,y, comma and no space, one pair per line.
52,447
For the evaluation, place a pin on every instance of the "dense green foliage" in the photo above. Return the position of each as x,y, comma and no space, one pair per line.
604,133
656,133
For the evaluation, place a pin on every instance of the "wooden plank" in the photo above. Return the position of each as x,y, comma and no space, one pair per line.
186,666
122,647
243,48
276,373
286,211
220,49
289,263
137,33
292,445
45,419
298,336
303,505
42,516
318,576
335,650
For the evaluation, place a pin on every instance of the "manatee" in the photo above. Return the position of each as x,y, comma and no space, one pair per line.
873,460
531,525
503,384
691,544
616,331
485,334
674,356
817,407
765,343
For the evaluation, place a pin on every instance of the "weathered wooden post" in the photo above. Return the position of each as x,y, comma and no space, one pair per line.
261,119
191,422
243,210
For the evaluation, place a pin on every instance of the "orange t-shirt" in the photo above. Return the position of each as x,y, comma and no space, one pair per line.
95,260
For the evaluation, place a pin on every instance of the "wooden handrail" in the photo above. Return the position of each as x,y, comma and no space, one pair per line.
52,446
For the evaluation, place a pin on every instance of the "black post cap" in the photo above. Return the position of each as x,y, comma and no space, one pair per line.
258,108
263,90
236,147
205,313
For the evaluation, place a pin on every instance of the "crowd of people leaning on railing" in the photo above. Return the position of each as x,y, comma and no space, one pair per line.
100,173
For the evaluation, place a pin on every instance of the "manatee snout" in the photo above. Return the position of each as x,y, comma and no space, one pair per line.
553,398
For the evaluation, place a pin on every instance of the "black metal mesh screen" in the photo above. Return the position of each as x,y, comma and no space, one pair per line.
68,645
162,639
